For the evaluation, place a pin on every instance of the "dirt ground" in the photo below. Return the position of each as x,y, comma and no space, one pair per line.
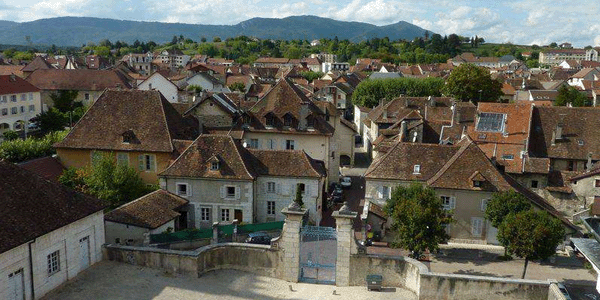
117,281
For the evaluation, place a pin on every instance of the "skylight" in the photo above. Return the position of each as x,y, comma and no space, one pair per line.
492,122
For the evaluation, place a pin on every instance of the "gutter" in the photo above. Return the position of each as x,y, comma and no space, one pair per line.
446,126
32,286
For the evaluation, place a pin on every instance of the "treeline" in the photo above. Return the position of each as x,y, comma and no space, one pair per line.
369,92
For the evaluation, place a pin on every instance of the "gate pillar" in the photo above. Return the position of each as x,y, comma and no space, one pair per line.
290,241
344,219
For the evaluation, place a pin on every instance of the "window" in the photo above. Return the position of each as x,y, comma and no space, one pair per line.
146,162
22,109
183,189
484,204
302,187
5,111
270,120
597,183
448,202
13,98
492,122
289,144
31,108
287,120
534,184
230,191
205,214
270,187
271,144
53,262
253,143
214,165
30,96
270,208
3,99
122,159
14,110
477,183
225,215
385,192
417,169
508,156
310,121
96,156
23,97
87,96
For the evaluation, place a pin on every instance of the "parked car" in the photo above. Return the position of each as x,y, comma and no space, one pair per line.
336,189
259,237
346,182
563,290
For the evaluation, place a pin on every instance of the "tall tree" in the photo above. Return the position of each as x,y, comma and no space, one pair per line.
532,235
64,100
568,95
419,219
469,82
501,205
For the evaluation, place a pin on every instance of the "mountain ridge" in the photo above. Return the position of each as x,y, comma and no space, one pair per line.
75,31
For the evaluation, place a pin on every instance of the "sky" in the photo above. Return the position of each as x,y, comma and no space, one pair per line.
517,21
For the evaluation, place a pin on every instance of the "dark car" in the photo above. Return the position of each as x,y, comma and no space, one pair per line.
259,238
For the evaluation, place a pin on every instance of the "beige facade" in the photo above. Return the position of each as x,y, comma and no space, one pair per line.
117,233
211,115
18,108
87,98
153,162
214,200
587,188
281,192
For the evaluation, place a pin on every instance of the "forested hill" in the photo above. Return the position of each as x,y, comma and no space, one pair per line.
75,31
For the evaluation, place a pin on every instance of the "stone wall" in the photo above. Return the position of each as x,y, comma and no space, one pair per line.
180,262
459,287
401,272
555,293
257,259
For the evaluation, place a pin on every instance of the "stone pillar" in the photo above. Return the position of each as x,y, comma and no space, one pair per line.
290,241
235,227
344,219
215,238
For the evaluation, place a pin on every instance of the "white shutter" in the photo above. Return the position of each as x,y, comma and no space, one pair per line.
237,192
279,192
315,190
283,146
258,144
379,191
263,188
141,163
152,163
223,192
452,202
307,190
285,189
483,204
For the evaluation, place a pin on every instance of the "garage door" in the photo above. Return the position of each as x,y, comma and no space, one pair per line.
84,253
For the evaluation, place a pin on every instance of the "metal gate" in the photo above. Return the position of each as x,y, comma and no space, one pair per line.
318,254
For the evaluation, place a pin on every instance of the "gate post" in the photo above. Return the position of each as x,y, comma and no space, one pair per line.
290,241
344,219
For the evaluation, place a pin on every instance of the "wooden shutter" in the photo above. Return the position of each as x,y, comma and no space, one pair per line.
278,188
238,192
379,191
152,162
141,163
315,190
264,188
307,190
223,192
452,202
285,189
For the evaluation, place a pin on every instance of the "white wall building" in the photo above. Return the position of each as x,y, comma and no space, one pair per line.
20,101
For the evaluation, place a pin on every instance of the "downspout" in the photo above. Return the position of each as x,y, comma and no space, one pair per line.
32,286
453,108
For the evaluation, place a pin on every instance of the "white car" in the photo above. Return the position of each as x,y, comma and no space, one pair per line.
346,182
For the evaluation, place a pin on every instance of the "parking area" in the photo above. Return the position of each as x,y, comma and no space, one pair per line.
116,281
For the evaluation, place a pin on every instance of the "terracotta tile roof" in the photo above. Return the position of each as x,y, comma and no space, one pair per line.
147,114
11,69
584,72
537,165
47,167
38,63
295,163
286,99
150,211
593,172
32,206
516,126
196,160
398,163
272,60
78,80
243,79
12,84
580,132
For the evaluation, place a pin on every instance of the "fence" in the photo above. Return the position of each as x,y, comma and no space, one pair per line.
225,232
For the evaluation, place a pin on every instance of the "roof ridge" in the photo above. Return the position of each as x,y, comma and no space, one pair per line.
246,164
374,166
450,162
164,114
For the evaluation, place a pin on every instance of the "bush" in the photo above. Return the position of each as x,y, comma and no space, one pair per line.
23,150
10,135
369,92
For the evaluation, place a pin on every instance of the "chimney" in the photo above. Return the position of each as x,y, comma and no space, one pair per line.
303,114
589,165
554,138
402,130
385,113
431,101
559,131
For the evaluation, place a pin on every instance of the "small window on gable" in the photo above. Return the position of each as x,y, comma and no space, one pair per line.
287,120
508,156
214,165
270,120
580,142
417,169
477,183
129,137
310,121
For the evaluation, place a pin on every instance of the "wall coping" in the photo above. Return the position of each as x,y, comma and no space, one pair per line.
422,267
490,278
193,253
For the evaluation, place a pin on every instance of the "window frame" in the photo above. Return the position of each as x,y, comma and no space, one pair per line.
178,185
448,202
215,166
122,158
417,169
225,215
271,208
227,191
290,145
271,187
205,214
53,260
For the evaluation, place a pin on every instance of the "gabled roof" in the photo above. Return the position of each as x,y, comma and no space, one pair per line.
150,211
295,163
47,167
12,84
32,206
147,114
78,80
38,63
516,126
194,161
580,132
221,99
584,72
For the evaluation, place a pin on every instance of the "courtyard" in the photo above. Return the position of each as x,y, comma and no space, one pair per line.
116,281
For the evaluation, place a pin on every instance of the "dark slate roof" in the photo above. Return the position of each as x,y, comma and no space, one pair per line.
294,163
11,84
580,132
399,161
152,119
32,206
150,211
47,167
78,80
196,159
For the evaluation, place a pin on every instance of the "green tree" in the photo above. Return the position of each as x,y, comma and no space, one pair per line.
64,100
419,219
531,235
570,95
369,92
469,82
311,75
238,86
50,120
117,184
298,198
500,205
10,135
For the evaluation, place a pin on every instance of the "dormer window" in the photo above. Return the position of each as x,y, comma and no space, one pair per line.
214,166
477,183
270,120
417,169
287,120
129,137
478,180
310,122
